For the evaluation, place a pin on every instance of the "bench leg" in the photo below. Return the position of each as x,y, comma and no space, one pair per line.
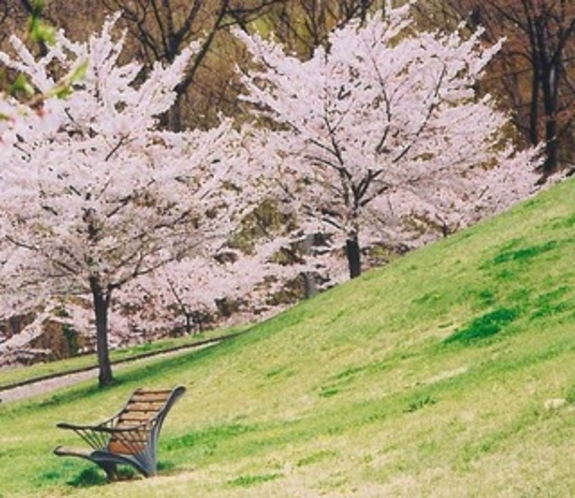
111,470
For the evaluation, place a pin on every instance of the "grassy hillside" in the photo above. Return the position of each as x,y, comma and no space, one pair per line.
451,372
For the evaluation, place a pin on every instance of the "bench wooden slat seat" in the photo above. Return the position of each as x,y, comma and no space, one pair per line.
130,436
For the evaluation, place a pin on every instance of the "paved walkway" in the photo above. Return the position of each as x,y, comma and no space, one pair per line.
52,384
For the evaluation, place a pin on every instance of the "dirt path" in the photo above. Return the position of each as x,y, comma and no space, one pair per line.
48,384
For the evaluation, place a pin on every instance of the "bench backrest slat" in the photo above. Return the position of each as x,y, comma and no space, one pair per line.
144,405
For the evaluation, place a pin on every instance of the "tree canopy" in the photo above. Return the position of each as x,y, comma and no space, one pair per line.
382,134
93,194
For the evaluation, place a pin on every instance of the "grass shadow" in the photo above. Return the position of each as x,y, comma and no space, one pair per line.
88,478
93,477
253,480
483,327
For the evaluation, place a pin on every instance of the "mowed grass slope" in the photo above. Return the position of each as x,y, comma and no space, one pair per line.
450,372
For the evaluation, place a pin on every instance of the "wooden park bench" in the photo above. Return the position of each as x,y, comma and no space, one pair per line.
129,437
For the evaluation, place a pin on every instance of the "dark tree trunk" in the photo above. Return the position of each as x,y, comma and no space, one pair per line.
189,323
550,104
534,107
173,117
551,148
353,255
310,288
101,299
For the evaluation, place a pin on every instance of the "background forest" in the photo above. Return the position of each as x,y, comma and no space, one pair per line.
532,74
532,78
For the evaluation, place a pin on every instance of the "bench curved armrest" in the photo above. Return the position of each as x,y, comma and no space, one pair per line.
74,427
104,427
93,435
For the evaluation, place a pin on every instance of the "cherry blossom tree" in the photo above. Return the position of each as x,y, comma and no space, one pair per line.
381,134
182,294
92,193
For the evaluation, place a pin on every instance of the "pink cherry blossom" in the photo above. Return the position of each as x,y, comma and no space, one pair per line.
381,136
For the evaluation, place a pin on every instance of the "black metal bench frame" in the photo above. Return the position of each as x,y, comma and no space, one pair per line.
130,436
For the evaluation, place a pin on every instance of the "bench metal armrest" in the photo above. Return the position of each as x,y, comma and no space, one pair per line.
74,427
95,436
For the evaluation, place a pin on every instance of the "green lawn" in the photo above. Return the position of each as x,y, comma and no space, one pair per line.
430,377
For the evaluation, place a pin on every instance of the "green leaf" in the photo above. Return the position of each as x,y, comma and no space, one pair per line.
62,92
80,72
22,85
43,32
40,31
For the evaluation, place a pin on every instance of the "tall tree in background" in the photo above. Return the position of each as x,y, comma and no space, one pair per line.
159,29
382,133
304,25
162,28
535,70
92,195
